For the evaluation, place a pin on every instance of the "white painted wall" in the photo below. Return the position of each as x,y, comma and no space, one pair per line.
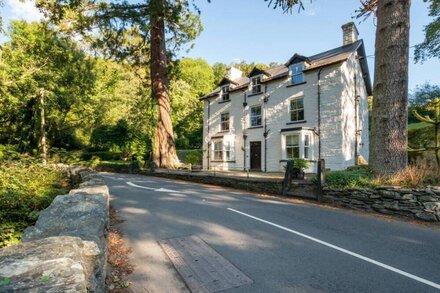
337,119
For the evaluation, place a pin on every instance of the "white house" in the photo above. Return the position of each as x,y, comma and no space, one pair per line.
311,107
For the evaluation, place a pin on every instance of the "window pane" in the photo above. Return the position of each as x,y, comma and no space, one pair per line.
292,140
306,153
294,116
298,78
300,115
306,140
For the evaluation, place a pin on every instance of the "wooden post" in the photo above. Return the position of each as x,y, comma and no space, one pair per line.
287,183
321,177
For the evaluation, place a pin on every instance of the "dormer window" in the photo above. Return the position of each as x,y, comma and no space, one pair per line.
256,84
296,73
225,92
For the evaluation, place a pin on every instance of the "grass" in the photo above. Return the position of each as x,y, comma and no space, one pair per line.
415,175
26,188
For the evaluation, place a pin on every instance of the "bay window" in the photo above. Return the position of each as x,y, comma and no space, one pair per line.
297,144
223,151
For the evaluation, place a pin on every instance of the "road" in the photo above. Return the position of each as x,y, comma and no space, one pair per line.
282,246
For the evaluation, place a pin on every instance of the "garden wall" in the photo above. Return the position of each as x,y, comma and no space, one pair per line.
415,203
66,250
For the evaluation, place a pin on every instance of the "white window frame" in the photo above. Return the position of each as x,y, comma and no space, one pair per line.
260,116
302,134
226,150
297,110
225,92
294,72
256,84
222,123
215,151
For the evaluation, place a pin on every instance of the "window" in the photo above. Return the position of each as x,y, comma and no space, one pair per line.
223,151
256,85
224,124
256,116
306,146
297,109
296,71
298,145
225,92
218,151
228,151
292,146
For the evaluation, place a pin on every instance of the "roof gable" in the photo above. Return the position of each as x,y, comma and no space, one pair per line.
296,58
257,71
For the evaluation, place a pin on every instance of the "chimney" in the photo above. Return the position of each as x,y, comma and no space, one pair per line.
349,33
234,73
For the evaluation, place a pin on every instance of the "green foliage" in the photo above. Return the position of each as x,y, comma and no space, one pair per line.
419,101
194,157
430,47
355,177
25,189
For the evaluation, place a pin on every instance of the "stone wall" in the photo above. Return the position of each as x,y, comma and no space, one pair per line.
66,250
422,204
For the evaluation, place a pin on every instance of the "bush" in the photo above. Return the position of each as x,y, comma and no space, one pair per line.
103,155
194,157
354,177
26,188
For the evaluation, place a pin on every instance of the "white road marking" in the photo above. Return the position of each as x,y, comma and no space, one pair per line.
393,269
150,188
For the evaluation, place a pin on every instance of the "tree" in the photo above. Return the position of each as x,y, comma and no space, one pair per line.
419,100
389,131
434,105
193,78
431,44
43,76
135,32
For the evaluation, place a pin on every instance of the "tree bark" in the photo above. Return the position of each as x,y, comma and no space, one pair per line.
389,134
164,150
43,143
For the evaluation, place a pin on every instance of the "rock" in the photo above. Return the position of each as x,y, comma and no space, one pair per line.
83,214
428,198
426,216
54,264
409,197
432,206
389,194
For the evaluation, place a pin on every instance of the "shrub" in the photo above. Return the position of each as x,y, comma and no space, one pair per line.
194,157
25,189
103,155
354,177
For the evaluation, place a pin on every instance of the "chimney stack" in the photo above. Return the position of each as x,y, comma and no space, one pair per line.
349,33
234,73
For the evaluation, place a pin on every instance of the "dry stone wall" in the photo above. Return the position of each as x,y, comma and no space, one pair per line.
416,203
66,250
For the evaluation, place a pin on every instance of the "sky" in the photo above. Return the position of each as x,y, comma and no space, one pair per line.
237,30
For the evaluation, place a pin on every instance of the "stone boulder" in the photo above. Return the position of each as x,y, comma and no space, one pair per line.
53,264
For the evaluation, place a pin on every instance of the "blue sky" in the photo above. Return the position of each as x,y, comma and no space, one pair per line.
236,30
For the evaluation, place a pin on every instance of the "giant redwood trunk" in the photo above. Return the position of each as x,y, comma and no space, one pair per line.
164,150
389,134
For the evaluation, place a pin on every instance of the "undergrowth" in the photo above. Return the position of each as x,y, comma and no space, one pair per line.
26,188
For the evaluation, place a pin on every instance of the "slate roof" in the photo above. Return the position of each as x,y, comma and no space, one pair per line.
320,60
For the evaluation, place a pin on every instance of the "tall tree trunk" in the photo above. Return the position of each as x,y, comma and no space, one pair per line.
164,150
389,134
43,144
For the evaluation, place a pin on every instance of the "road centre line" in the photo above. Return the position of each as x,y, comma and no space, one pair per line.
364,258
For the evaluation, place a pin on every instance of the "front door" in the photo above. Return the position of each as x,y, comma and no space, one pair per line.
255,155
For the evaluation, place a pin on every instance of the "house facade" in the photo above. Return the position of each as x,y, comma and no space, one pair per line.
311,107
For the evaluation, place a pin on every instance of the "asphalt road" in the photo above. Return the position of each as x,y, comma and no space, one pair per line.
282,247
